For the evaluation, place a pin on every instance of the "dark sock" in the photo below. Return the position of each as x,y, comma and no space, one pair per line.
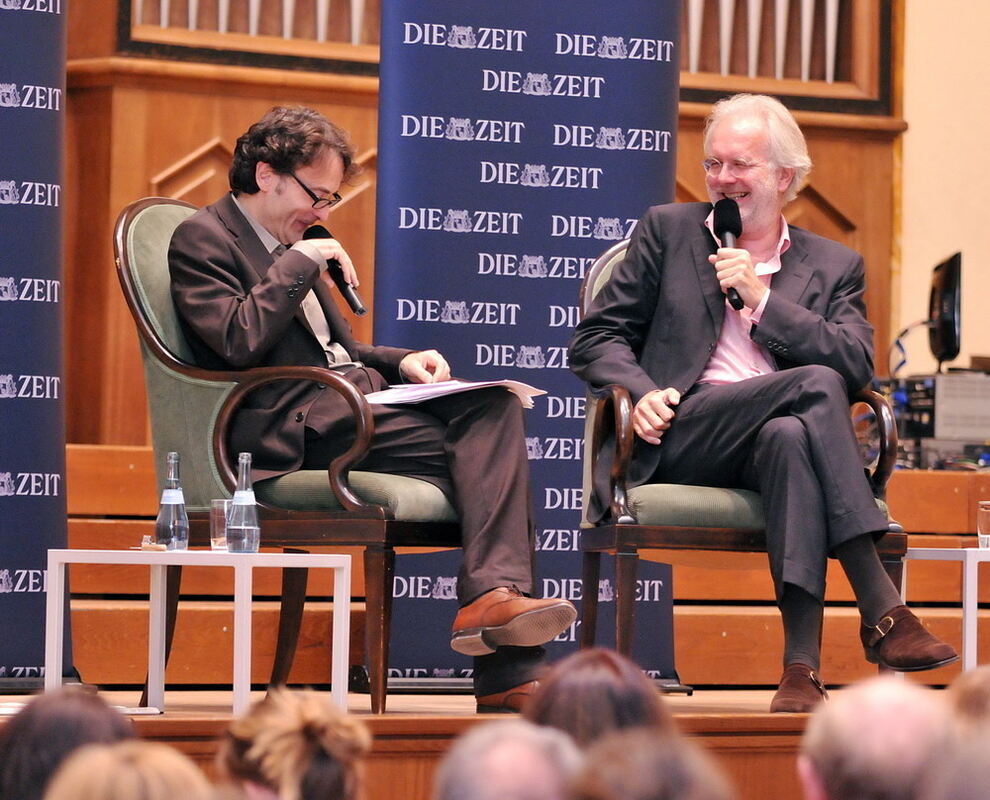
801,614
875,594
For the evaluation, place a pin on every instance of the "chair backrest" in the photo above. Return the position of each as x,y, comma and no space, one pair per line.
596,278
183,405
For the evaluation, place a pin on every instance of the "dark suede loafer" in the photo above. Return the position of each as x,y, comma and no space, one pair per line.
900,642
799,692
511,701
503,617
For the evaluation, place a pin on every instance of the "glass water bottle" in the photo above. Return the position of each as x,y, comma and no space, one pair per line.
243,531
172,524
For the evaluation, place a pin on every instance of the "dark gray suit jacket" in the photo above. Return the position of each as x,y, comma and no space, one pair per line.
656,322
240,309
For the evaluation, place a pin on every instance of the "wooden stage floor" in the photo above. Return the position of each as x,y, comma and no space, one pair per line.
756,748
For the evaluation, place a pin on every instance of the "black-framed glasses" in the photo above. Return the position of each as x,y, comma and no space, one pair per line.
318,202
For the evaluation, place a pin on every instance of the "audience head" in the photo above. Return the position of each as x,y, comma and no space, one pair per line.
132,770
875,739
46,731
592,692
287,139
969,696
298,746
636,764
964,774
513,760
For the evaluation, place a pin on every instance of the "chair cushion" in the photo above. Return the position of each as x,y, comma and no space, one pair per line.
409,499
700,506
696,506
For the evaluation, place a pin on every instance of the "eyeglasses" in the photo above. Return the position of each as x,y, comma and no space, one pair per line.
318,202
736,168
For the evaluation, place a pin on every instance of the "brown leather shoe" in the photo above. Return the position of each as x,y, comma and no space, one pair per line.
511,701
900,642
504,616
799,692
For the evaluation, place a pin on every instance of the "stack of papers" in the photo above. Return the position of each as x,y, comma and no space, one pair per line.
408,393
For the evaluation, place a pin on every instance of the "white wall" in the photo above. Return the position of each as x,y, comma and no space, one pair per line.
946,168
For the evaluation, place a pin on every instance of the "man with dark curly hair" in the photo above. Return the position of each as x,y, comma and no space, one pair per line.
250,292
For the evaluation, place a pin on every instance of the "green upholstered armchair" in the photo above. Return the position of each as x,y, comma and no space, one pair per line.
191,410
676,517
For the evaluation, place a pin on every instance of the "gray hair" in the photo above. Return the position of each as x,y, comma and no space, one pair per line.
788,149
877,739
511,760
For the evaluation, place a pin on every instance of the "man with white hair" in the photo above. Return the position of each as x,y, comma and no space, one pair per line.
513,760
740,358
876,740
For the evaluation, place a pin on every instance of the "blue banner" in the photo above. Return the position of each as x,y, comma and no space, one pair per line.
517,141
32,435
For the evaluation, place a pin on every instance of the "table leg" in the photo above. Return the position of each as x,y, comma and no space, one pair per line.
156,638
341,635
242,638
54,623
970,611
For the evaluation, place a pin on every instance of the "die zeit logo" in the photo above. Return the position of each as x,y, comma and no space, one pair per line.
463,129
34,290
35,387
522,356
464,37
554,448
425,587
460,220
30,484
46,98
529,265
633,48
612,138
41,6
456,312
541,176
23,581
542,84
558,539
21,672
30,193
648,590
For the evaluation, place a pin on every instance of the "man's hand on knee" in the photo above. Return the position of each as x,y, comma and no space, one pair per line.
653,413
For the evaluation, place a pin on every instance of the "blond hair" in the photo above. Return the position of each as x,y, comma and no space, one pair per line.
299,745
128,770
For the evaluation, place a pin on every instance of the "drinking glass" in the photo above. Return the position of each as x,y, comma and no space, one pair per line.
983,523
218,524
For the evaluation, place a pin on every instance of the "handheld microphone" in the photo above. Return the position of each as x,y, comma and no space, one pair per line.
728,225
337,274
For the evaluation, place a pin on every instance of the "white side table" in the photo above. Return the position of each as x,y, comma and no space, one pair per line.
242,564
970,558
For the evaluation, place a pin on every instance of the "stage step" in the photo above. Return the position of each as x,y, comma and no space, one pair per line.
715,645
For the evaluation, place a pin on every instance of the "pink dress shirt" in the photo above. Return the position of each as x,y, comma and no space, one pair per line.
736,356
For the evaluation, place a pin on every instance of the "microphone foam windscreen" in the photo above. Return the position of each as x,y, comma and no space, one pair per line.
727,219
319,232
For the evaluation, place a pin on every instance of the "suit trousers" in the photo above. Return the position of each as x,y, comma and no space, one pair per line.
789,436
472,446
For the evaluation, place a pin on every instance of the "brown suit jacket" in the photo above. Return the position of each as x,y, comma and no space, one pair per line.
240,309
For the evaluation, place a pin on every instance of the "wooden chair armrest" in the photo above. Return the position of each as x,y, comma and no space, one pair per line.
614,398
339,469
887,433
